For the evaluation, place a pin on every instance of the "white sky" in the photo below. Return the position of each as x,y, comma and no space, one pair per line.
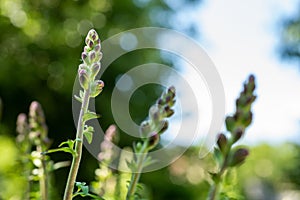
241,37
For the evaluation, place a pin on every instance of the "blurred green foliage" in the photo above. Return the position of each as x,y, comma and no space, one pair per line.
290,37
40,45
41,42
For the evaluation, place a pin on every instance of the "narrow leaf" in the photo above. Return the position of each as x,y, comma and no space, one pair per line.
90,115
88,136
78,98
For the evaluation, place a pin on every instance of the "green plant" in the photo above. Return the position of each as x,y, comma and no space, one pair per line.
150,131
87,72
34,144
226,154
33,141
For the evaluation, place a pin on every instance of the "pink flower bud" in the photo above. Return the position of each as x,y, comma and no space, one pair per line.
83,79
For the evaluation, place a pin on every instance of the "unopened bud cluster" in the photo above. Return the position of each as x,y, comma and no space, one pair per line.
157,123
91,65
34,128
237,124
106,146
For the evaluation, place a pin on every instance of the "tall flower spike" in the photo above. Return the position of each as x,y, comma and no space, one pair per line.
87,72
91,65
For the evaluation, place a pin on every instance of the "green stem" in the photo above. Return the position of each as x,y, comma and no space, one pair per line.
141,156
43,177
216,186
78,148
43,182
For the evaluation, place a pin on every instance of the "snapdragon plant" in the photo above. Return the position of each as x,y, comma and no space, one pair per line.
34,143
226,154
150,131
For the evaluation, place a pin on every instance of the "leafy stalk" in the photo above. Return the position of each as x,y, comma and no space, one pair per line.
150,130
225,154
34,133
87,72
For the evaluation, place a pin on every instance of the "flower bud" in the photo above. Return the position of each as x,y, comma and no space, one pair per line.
97,47
86,49
92,34
145,129
36,112
168,111
154,113
164,126
222,142
238,157
95,69
153,141
37,122
96,88
90,44
83,79
172,91
230,123
247,118
85,58
92,56
22,125
82,66
237,134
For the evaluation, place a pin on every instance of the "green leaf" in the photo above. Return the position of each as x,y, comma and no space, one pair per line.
83,187
218,156
69,149
90,115
230,123
131,165
214,176
63,149
78,98
81,94
148,161
70,143
88,136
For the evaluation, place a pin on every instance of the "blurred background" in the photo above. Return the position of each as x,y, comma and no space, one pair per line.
40,46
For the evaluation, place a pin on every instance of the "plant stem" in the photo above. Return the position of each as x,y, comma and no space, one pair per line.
78,147
43,174
141,156
216,186
43,182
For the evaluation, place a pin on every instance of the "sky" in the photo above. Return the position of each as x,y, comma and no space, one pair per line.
241,37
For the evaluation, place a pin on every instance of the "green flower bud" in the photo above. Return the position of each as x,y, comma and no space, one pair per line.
92,34
86,49
230,123
96,88
82,66
238,157
95,69
168,112
97,48
237,134
83,79
145,129
247,119
92,56
85,58
154,113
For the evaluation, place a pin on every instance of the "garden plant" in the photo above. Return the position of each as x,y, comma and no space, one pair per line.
35,153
